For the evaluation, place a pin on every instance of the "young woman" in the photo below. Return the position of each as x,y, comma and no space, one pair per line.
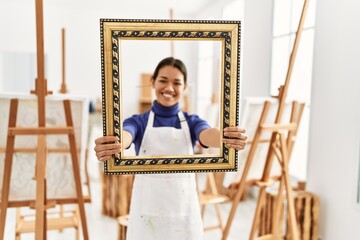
165,206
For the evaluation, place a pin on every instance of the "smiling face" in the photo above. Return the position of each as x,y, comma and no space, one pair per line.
169,85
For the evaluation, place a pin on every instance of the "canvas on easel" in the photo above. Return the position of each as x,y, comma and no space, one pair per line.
59,168
253,108
256,161
61,185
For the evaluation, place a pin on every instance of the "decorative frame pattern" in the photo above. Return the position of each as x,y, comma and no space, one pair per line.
115,30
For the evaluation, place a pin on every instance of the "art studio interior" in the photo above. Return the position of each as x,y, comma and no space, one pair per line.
282,76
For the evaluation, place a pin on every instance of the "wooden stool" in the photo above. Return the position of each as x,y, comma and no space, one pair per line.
211,197
56,220
307,215
116,194
122,226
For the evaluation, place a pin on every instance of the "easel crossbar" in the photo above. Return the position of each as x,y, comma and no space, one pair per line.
40,130
268,183
33,150
26,203
266,237
277,127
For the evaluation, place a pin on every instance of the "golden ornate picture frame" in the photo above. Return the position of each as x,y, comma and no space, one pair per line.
113,31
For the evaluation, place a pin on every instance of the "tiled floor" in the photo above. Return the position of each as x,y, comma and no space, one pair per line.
105,228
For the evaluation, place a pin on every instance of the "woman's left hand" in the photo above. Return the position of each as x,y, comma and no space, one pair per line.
235,137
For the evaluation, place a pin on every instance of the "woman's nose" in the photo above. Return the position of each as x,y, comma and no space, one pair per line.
169,87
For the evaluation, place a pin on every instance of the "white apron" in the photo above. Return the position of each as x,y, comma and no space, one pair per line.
165,206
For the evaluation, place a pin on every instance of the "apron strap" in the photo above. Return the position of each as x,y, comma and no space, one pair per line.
150,122
186,130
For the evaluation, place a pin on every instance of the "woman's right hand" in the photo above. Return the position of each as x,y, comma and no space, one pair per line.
106,146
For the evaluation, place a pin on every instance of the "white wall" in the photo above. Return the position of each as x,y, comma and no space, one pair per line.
83,73
335,118
256,54
81,21
1,73
256,34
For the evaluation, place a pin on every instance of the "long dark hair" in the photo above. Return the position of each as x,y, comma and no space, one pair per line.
170,61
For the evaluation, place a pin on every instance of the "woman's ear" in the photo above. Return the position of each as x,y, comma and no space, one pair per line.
185,86
153,82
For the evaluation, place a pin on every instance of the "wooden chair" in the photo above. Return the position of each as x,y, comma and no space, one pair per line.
122,226
212,197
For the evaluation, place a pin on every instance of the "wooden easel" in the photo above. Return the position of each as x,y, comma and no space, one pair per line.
171,16
41,204
63,88
281,147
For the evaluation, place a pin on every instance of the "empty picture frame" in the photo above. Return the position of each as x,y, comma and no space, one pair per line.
115,33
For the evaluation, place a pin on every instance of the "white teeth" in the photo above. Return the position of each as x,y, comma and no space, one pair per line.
167,95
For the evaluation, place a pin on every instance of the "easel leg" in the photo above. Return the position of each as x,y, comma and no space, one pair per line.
246,170
234,206
289,196
281,152
276,219
76,169
40,204
264,180
259,206
8,165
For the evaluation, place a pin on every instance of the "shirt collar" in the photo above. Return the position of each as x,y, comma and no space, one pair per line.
165,111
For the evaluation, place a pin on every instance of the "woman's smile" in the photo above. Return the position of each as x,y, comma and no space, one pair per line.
168,95
169,86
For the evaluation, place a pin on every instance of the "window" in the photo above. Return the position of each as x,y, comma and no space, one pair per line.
286,19
285,23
